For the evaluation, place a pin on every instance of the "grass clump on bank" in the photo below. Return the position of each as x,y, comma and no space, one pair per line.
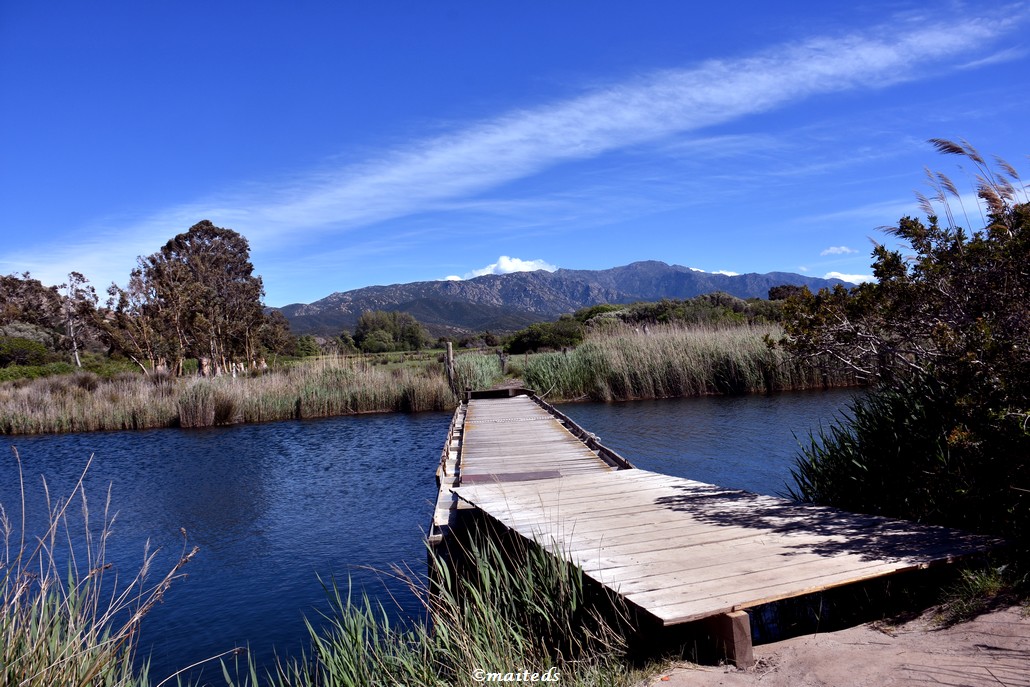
918,450
676,361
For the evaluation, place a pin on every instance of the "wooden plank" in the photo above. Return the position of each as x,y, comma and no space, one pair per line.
554,457
625,484
509,476
688,609
514,440
773,515
586,490
603,513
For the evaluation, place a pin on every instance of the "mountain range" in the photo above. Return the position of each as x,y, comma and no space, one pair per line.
508,302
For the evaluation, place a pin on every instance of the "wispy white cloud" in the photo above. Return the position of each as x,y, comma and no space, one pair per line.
506,265
1006,55
524,142
852,278
838,250
870,214
426,174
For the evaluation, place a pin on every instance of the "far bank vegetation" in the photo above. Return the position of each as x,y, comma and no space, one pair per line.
188,343
712,344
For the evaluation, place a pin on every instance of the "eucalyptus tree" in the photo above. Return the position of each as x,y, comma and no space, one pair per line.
196,297
59,317
79,307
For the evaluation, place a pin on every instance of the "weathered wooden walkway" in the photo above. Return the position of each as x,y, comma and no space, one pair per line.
677,550
512,439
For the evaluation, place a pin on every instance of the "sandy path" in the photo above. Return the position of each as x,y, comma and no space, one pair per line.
993,649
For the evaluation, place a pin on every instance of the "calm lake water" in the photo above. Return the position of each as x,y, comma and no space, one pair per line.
277,507
744,442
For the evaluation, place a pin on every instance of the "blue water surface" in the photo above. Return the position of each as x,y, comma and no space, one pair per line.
275,508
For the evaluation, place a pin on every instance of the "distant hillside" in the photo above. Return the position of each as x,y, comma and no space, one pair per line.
502,303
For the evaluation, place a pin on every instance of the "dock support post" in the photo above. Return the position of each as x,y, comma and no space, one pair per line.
732,631
450,368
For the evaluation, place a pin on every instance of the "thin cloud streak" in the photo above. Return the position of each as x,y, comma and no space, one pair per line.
522,143
429,174
1002,56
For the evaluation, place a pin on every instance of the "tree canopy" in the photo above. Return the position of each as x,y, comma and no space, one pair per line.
196,297
379,331
544,336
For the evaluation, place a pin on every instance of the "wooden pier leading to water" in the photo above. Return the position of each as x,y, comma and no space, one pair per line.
678,551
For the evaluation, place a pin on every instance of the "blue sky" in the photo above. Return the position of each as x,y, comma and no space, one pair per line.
359,143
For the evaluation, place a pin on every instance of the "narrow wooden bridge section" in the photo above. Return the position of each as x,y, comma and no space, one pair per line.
677,550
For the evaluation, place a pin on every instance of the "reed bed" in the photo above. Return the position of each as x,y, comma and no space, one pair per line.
477,370
66,618
616,365
671,361
329,386
514,609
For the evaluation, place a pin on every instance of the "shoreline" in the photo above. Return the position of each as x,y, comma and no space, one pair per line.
989,650
176,424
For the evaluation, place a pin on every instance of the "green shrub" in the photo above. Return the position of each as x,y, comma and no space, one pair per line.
915,451
943,331
564,333
14,372
15,350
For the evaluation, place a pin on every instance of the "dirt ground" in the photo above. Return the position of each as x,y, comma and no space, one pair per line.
993,649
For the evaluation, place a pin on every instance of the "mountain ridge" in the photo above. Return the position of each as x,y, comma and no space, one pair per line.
507,302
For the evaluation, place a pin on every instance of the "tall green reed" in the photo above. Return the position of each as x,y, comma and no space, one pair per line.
671,361
66,618
477,371
512,608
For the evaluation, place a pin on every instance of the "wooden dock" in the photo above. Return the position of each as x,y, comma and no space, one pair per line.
512,437
678,551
